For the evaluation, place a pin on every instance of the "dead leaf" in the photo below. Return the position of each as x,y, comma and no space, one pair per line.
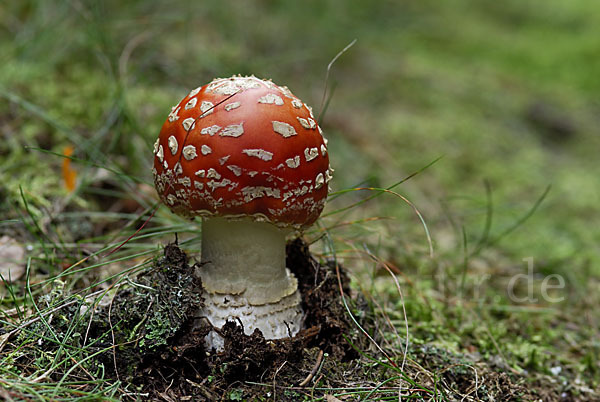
69,174
4,339
12,259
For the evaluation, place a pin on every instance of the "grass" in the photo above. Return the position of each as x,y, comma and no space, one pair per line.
504,93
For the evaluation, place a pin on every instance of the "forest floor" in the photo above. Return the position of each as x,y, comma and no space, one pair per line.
482,117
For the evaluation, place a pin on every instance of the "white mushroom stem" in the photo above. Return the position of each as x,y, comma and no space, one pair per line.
245,279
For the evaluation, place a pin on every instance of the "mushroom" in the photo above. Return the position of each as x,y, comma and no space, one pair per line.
248,157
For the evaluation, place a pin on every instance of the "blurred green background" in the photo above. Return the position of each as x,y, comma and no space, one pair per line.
506,93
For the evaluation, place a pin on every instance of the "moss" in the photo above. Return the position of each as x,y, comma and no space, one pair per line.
159,302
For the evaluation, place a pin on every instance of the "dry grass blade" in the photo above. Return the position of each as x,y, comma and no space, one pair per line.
399,289
345,302
403,198
337,56
39,317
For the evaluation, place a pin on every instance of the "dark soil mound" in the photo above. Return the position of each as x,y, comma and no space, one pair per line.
168,360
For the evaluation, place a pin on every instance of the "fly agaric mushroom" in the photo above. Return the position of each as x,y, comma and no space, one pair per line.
248,157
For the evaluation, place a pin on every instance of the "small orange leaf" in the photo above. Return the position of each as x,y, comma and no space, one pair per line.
69,174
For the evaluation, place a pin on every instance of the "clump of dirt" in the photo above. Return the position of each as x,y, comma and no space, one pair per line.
326,315
145,317
162,300
169,359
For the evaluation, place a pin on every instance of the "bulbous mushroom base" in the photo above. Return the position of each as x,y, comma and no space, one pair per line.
245,258
245,279
274,320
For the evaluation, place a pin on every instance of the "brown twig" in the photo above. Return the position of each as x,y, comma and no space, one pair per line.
313,371
274,379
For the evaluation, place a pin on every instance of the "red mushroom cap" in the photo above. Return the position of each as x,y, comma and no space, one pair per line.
243,146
